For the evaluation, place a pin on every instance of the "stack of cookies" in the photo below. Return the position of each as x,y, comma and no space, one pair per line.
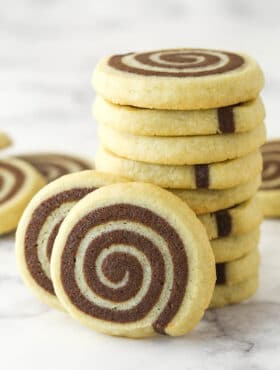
191,121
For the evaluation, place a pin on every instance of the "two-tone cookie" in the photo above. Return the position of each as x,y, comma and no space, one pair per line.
133,260
219,175
181,150
18,183
269,193
55,165
40,223
208,201
162,122
232,247
230,294
5,141
236,271
237,220
181,79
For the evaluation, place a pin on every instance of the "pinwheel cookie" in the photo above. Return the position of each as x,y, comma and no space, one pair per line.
219,175
40,223
5,141
229,294
181,150
208,201
230,248
269,193
18,183
154,122
237,220
234,272
132,260
54,165
178,79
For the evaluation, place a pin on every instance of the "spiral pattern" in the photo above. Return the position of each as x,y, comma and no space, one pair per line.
53,166
124,263
11,181
42,230
271,166
177,62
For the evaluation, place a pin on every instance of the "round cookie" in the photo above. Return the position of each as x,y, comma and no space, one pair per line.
40,223
234,272
154,122
229,294
18,183
5,141
181,150
133,260
207,201
55,165
237,220
233,247
219,175
178,79
269,193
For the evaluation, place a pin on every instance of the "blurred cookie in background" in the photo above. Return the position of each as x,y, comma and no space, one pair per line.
5,140
269,193
55,165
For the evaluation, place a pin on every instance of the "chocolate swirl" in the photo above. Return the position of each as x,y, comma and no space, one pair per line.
177,62
53,166
11,180
124,263
42,230
271,166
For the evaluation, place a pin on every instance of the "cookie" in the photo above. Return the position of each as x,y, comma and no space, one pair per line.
234,272
269,193
181,150
18,183
133,260
178,79
231,248
40,223
55,165
219,175
230,294
237,220
206,201
5,141
154,122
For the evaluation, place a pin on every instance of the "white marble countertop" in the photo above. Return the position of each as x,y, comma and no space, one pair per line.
48,50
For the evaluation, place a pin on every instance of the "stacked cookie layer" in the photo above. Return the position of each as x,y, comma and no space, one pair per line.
192,121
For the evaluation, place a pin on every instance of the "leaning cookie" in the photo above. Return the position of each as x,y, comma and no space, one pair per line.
40,223
207,201
155,122
237,220
233,247
5,141
18,183
269,193
55,165
230,294
219,175
181,150
236,271
133,260
178,79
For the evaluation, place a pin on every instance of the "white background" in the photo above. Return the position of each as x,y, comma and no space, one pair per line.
48,49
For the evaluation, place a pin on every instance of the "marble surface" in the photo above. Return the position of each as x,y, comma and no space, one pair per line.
48,50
